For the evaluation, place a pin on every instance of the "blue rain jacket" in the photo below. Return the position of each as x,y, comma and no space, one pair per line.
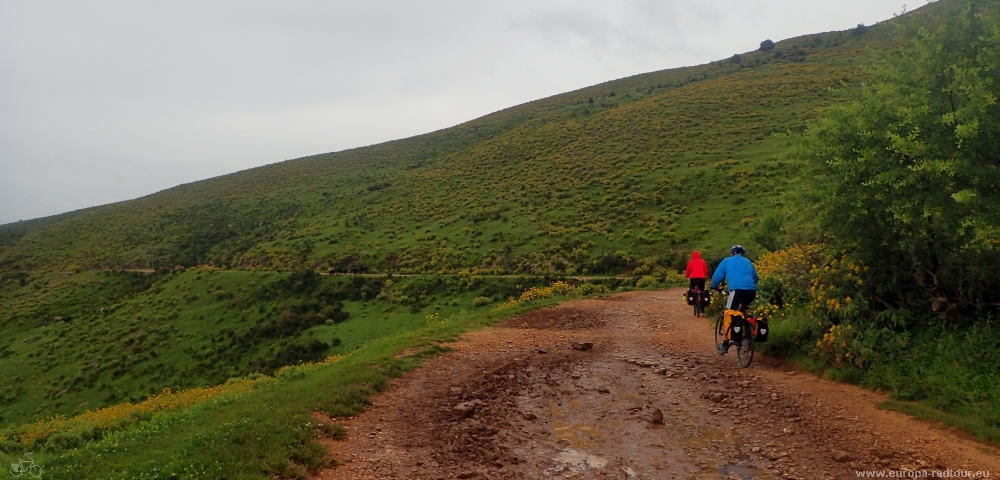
738,272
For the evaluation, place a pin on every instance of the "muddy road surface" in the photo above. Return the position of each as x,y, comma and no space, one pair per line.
629,387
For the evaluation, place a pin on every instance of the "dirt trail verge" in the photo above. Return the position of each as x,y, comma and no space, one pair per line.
629,387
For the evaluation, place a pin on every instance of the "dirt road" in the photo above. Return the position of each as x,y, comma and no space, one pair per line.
649,400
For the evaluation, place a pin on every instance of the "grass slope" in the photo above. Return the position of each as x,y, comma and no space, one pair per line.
626,176
666,160
622,176
264,431
95,339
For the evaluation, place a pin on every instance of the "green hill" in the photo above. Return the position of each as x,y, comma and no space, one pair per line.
667,160
625,177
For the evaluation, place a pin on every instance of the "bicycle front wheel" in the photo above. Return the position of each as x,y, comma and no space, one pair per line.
720,336
744,350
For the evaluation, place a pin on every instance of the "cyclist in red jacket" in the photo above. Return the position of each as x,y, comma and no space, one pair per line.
697,271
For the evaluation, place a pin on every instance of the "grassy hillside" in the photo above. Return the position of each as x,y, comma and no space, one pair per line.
624,177
667,160
254,427
95,339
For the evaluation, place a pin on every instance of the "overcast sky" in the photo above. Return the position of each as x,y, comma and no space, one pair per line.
105,101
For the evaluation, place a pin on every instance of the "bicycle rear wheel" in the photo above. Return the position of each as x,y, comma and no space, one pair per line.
744,349
697,310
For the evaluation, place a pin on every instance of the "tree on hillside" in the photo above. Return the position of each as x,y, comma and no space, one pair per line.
908,173
766,45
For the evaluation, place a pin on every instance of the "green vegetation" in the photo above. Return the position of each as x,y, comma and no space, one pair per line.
903,293
599,180
907,174
623,177
254,427
880,215
826,326
96,339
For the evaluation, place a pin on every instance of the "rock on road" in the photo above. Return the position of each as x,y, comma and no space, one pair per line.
649,399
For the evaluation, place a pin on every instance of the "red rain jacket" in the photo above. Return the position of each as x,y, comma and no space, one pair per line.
697,268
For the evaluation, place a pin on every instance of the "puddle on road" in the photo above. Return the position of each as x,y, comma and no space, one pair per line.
556,411
746,473
660,460
581,460
735,470
578,435
708,437
596,432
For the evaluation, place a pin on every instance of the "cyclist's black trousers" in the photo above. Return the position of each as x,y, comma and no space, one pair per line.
698,282
740,299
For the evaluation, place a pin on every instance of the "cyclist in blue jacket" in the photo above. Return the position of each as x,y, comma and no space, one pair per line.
741,278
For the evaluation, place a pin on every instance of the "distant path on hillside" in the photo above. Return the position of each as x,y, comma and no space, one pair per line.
650,400
582,278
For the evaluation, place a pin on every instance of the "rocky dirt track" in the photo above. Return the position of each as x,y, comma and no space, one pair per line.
648,400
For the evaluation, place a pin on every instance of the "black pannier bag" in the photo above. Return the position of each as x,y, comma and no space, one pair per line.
690,297
762,330
737,327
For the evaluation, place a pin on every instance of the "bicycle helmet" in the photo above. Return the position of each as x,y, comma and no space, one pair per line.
738,250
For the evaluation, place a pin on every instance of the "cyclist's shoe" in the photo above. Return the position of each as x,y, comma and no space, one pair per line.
724,348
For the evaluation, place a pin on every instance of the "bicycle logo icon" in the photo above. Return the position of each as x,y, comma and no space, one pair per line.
26,468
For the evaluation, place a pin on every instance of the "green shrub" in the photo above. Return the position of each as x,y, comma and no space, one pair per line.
480,302
934,239
788,335
646,281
